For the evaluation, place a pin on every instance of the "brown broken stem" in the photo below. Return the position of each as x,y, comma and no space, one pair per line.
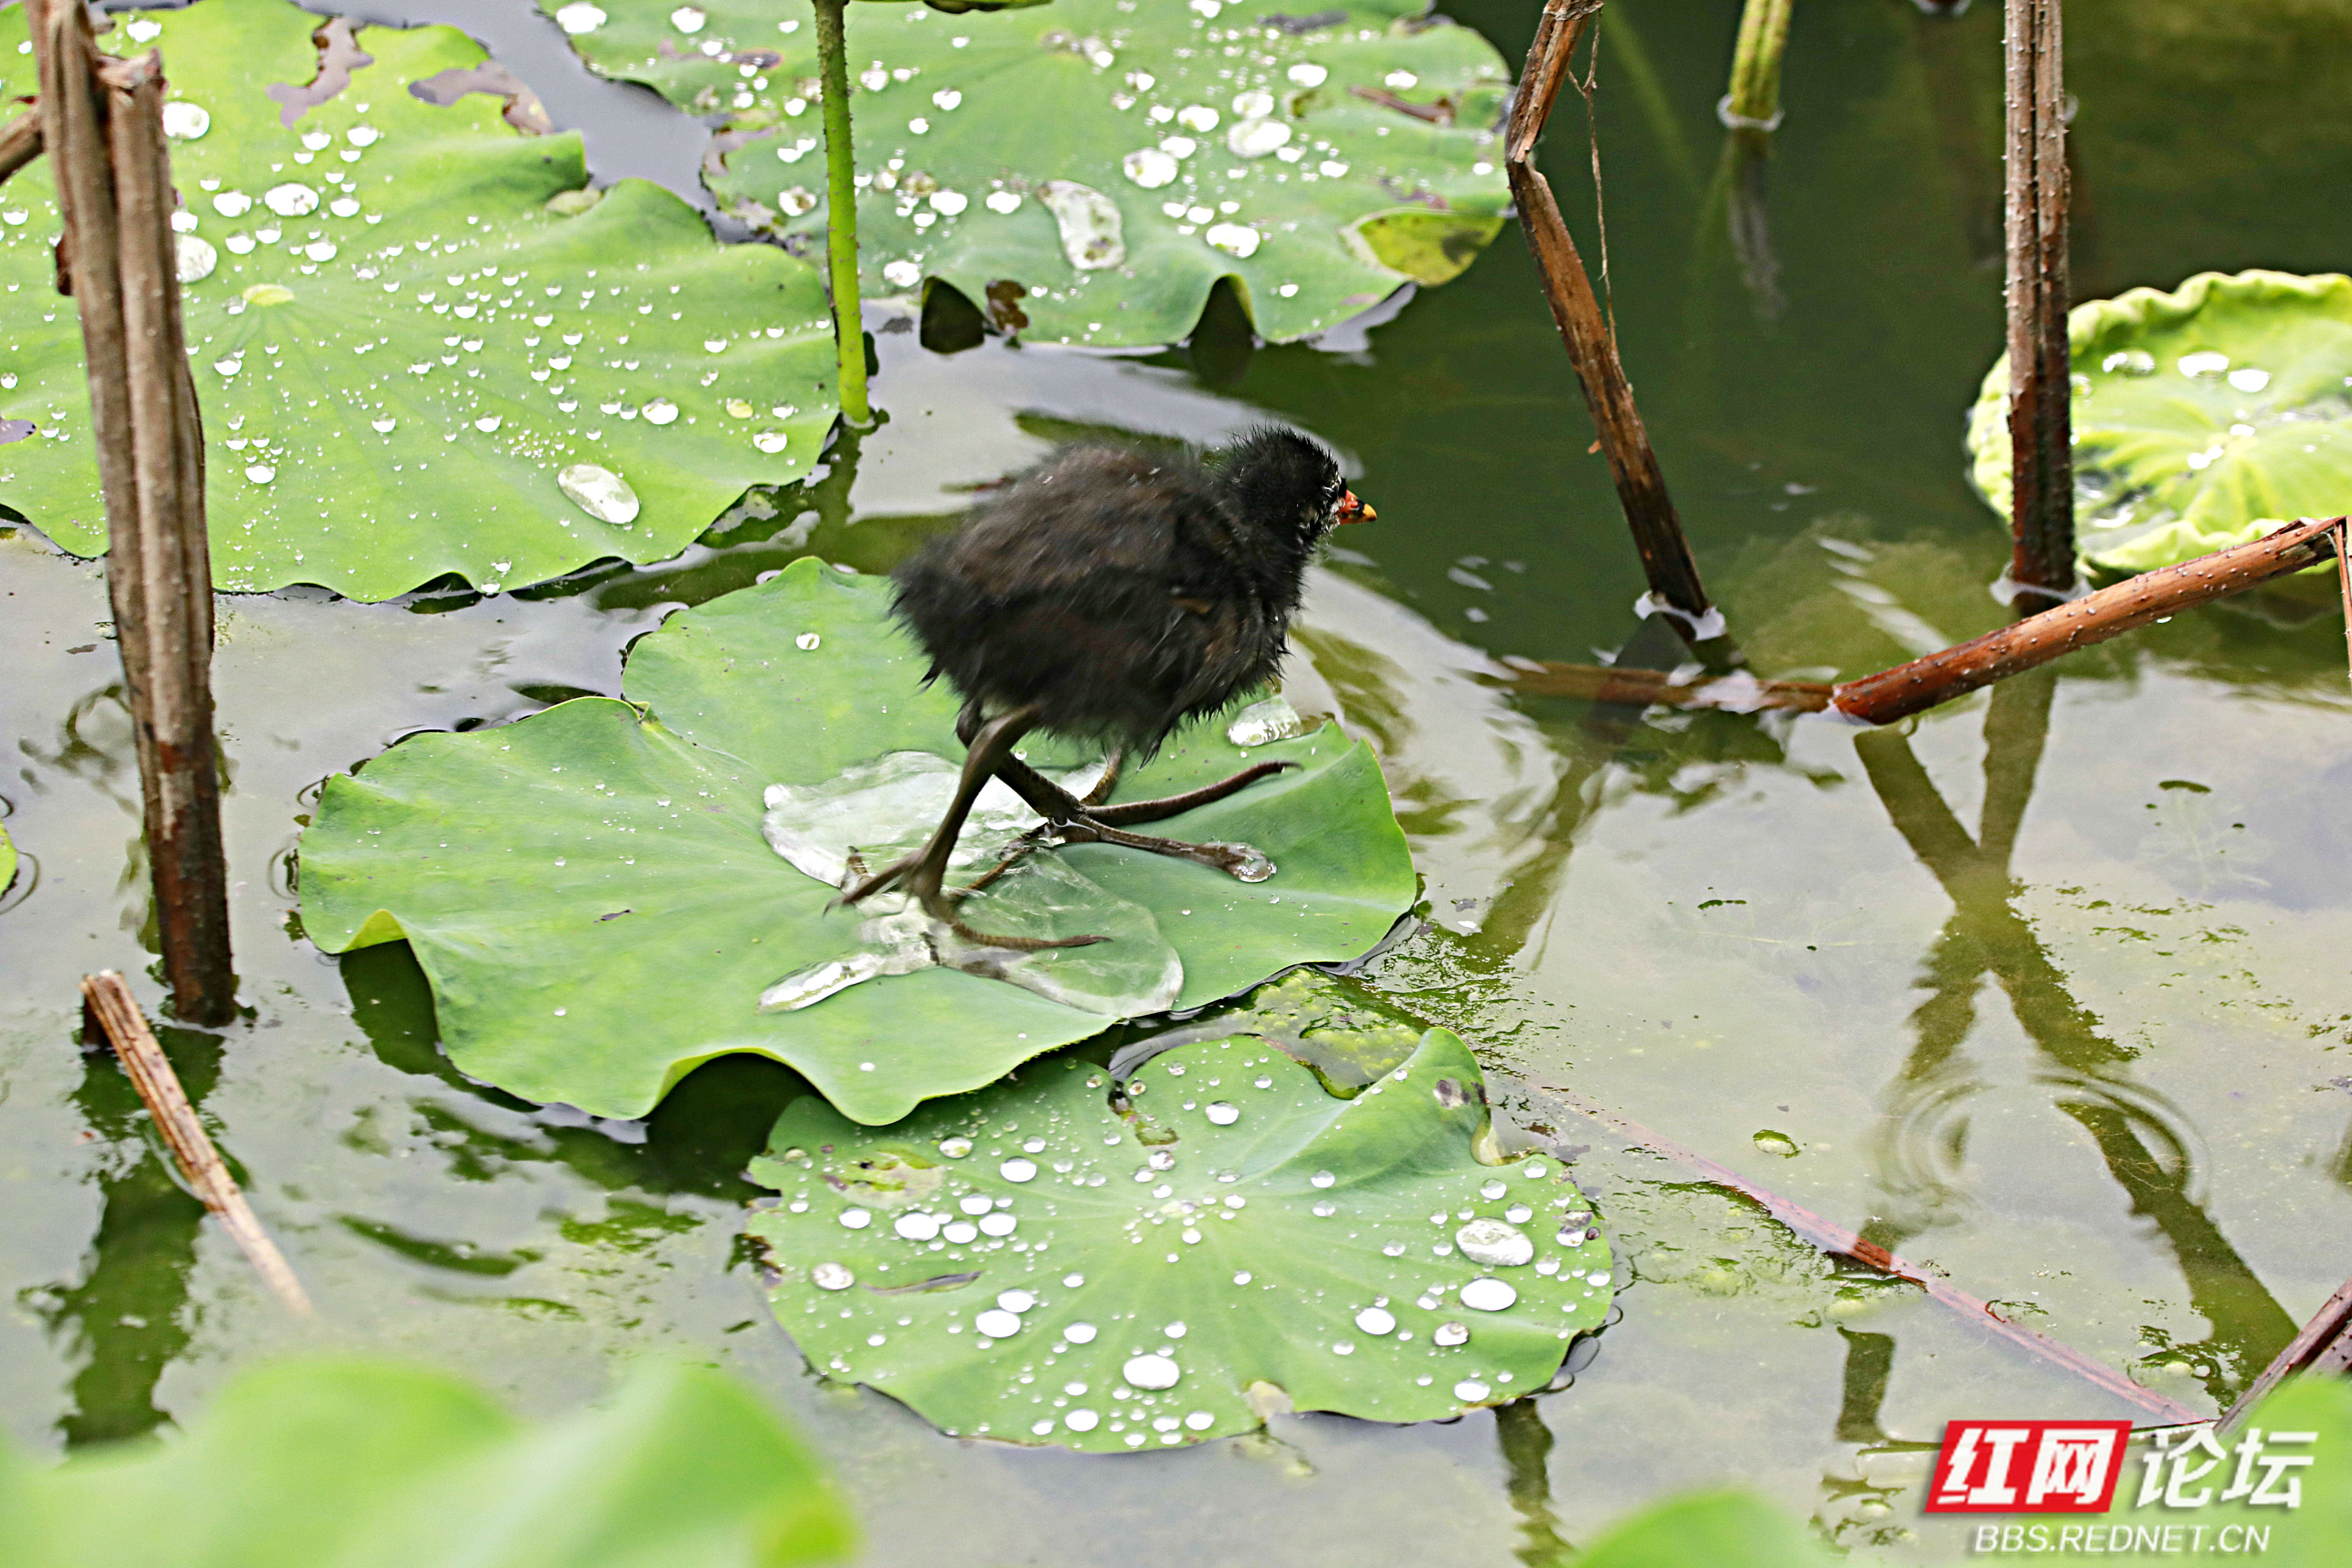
1736,693
2324,1345
2343,585
1666,559
1838,1241
107,1003
103,125
1906,689
1938,678
20,141
2041,387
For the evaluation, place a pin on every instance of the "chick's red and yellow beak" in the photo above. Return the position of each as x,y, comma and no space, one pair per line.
1350,510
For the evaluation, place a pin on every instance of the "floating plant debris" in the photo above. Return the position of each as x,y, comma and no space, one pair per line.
1146,1288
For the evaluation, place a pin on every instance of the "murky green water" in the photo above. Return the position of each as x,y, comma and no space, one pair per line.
2045,994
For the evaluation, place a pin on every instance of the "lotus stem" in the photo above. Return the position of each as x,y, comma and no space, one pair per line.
1753,103
841,212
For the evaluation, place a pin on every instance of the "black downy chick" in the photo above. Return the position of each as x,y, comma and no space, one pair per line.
1111,595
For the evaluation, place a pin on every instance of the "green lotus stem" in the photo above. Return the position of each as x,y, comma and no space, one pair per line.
1754,101
841,212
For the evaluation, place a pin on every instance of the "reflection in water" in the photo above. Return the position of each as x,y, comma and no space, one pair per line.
1963,90
1869,1360
1855,1512
1526,1461
1921,1140
695,1143
1612,735
129,1316
1747,216
767,530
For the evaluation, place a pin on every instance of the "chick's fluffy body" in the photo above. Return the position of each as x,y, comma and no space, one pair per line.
1121,591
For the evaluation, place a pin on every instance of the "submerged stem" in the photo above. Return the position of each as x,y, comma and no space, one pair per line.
841,212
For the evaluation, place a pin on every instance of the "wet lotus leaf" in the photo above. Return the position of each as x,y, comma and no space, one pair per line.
1428,246
414,320
2203,418
1345,1035
7,860
1087,171
591,895
1068,1282
354,1463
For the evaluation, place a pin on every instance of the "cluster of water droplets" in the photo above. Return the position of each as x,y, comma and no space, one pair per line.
1008,1228
1239,122
469,359
2126,502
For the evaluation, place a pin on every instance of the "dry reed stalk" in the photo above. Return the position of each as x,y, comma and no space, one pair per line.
2041,365
1938,678
1906,689
102,122
20,141
1665,554
106,1003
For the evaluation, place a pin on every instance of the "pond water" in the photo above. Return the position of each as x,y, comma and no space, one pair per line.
2044,992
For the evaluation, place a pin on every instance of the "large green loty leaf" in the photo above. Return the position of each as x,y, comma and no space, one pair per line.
1087,171
349,1463
396,380
591,895
1046,1262
2203,418
7,860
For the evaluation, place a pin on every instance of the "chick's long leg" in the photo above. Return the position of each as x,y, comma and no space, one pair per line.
924,873
1058,804
1086,822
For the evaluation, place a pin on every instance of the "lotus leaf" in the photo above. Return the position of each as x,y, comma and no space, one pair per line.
7,860
1087,171
350,1463
1040,1262
411,321
590,893
2203,418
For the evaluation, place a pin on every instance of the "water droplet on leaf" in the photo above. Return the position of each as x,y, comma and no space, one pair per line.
1150,1372
1494,1244
600,492
1487,1295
